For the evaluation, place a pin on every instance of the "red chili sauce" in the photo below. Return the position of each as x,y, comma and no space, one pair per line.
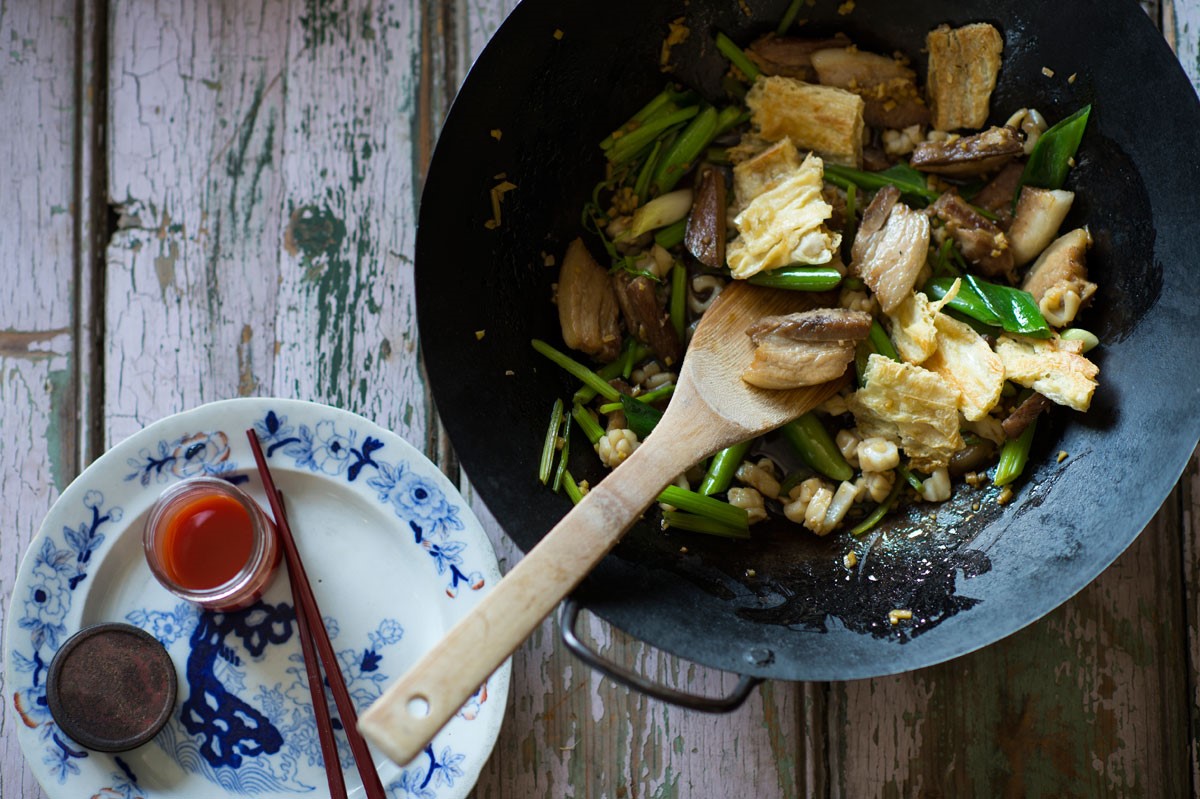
207,542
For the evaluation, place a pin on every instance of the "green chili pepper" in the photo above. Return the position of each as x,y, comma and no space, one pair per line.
639,416
1011,309
1051,157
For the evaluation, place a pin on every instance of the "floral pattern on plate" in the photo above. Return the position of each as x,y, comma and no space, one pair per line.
244,721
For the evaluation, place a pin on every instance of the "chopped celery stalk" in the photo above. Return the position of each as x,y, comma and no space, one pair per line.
789,17
632,143
671,235
650,109
880,341
591,428
910,478
799,278
700,524
731,116
584,374
648,397
678,160
551,444
586,394
737,57
566,450
722,468
851,214
708,507
816,448
1013,456
660,212
1089,339
571,488
679,298
642,187
881,511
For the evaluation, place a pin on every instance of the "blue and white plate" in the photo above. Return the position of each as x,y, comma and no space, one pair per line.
395,558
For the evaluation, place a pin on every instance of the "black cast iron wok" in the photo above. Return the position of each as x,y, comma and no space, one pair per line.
970,577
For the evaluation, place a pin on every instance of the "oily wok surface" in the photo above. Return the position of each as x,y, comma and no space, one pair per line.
783,605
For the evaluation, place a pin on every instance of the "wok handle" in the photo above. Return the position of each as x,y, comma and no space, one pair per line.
630,679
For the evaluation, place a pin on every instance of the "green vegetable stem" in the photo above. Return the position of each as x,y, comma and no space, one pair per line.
707,507
737,57
628,146
816,448
700,524
551,444
591,428
909,181
722,468
678,160
799,278
578,370
1014,455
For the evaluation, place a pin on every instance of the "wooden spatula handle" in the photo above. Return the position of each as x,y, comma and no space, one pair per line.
410,713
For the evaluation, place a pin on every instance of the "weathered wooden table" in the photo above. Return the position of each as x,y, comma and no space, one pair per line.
155,158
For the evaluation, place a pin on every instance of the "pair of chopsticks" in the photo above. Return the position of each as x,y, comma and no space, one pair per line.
314,642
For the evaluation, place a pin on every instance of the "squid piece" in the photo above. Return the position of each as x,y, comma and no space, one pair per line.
1058,279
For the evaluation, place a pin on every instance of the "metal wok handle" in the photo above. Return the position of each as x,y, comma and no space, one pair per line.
630,679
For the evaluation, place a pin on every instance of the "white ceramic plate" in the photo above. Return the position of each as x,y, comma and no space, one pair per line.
394,556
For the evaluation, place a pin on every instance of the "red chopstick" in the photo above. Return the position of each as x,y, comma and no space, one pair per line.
308,616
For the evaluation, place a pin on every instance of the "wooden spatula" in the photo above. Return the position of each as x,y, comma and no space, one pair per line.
712,408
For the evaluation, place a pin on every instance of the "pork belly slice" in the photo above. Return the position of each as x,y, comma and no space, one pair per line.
890,248
982,242
587,306
806,348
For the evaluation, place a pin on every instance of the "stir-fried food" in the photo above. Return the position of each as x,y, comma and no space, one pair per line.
944,282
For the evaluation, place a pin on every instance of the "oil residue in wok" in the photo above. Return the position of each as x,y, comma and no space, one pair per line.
917,560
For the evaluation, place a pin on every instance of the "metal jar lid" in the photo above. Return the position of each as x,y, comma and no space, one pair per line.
111,687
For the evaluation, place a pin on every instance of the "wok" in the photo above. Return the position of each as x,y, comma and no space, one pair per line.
558,76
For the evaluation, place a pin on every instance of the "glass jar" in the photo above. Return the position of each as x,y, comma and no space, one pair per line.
210,543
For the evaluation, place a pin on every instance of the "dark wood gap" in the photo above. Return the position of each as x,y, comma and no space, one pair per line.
95,223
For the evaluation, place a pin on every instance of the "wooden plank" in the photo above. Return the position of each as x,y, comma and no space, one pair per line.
1090,701
349,215
196,109
39,386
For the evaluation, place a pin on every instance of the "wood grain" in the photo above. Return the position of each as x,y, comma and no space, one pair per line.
39,278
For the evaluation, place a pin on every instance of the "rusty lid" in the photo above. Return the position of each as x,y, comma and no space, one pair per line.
111,687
